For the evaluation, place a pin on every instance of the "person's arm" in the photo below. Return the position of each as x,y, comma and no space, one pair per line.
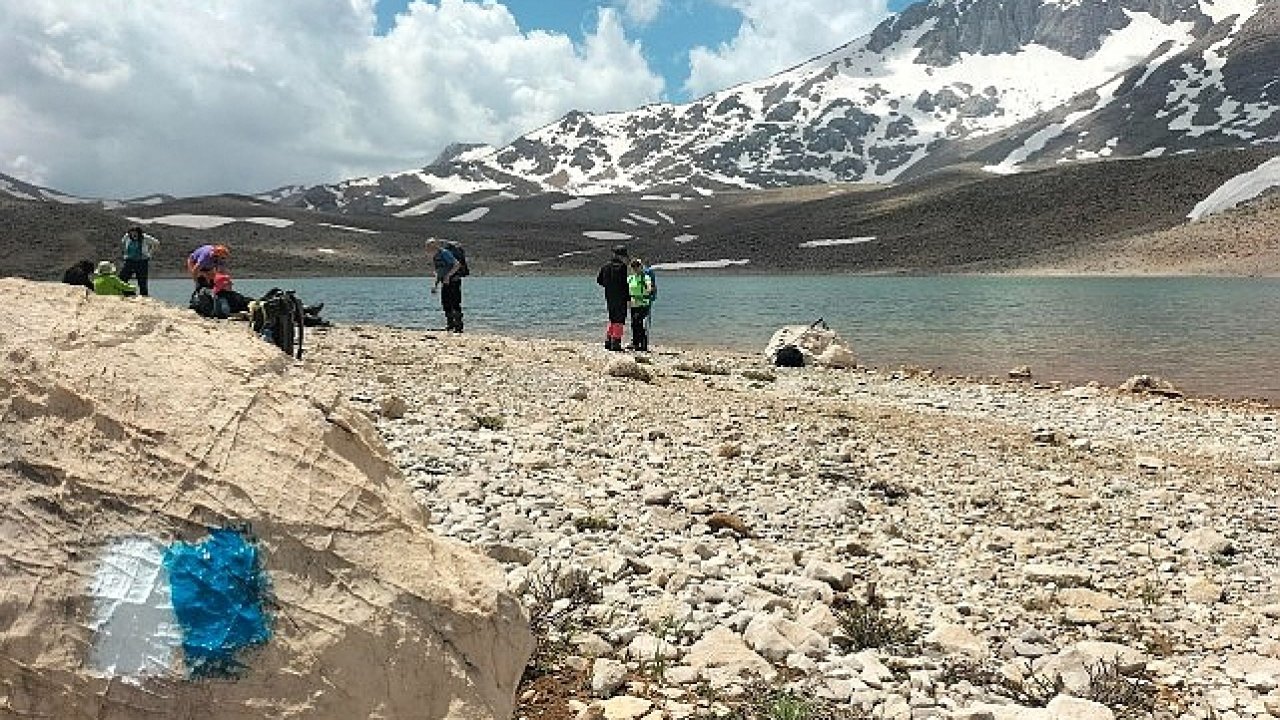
120,286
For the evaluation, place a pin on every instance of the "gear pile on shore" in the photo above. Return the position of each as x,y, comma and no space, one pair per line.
1032,553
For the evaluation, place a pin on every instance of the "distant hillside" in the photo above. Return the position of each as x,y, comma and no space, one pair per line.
1119,216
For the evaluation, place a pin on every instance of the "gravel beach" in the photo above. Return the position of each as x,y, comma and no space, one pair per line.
1050,552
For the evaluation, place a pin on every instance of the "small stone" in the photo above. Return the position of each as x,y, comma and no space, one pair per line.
606,677
1202,590
1083,616
1149,463
957,639
1207,541
625,707
1021,372
1060,575
1065,707
733,523
658,496
393,407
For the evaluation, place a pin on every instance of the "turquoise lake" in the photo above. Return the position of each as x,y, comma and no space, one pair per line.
1209,336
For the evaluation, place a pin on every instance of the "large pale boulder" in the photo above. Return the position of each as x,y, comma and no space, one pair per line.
818,344
135,435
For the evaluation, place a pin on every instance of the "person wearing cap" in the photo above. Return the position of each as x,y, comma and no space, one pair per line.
613,278
205,262
448,283
138,248
106,282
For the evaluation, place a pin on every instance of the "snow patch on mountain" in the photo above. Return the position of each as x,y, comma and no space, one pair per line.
570,204
430,205
1239,189
208,222
836,241
699,264
471,215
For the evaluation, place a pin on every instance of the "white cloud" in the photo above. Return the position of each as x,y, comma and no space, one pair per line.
116,99
776,34
641,12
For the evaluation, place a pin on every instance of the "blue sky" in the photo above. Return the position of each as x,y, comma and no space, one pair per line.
677,27
196,97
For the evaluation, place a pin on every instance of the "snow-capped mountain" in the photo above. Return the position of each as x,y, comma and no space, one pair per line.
1009,84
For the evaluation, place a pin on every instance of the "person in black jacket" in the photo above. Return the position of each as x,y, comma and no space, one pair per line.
613,278
79,274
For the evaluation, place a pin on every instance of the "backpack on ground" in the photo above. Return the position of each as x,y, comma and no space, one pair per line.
278,318
789,356
460,255
206,304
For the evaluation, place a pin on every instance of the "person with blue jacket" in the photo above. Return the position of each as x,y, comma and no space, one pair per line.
448,283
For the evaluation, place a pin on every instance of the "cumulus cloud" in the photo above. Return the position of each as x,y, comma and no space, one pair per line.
119,99
776,34
641,12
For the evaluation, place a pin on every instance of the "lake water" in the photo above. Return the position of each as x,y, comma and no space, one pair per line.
1210,336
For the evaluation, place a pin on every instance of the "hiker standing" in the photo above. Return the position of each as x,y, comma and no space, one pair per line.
205,262
613,278
138,248
448,269
106,282
79,274
640,290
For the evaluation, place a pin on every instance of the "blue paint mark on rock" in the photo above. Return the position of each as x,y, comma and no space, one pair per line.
219,596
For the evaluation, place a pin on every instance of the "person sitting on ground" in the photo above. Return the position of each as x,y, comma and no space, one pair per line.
79,274
206,261
106,282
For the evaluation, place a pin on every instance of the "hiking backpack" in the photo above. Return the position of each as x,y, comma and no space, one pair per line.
278,318
206,304
653,283
460,255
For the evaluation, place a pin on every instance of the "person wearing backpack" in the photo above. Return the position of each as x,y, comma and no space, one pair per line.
641,291
449,271
138,248
613,278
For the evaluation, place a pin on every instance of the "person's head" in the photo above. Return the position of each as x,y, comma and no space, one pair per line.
221,252
106,267
620,251
432,246
637,265
135,232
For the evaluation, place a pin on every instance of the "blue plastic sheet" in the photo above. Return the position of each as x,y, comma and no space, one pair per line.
219,596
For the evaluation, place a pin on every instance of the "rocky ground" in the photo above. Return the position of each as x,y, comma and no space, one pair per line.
735,519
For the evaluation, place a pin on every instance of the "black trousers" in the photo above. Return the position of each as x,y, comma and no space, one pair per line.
617,309
451,296
639,333
136,266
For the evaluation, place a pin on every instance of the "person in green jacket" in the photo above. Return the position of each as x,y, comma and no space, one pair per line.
106,282
640,290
